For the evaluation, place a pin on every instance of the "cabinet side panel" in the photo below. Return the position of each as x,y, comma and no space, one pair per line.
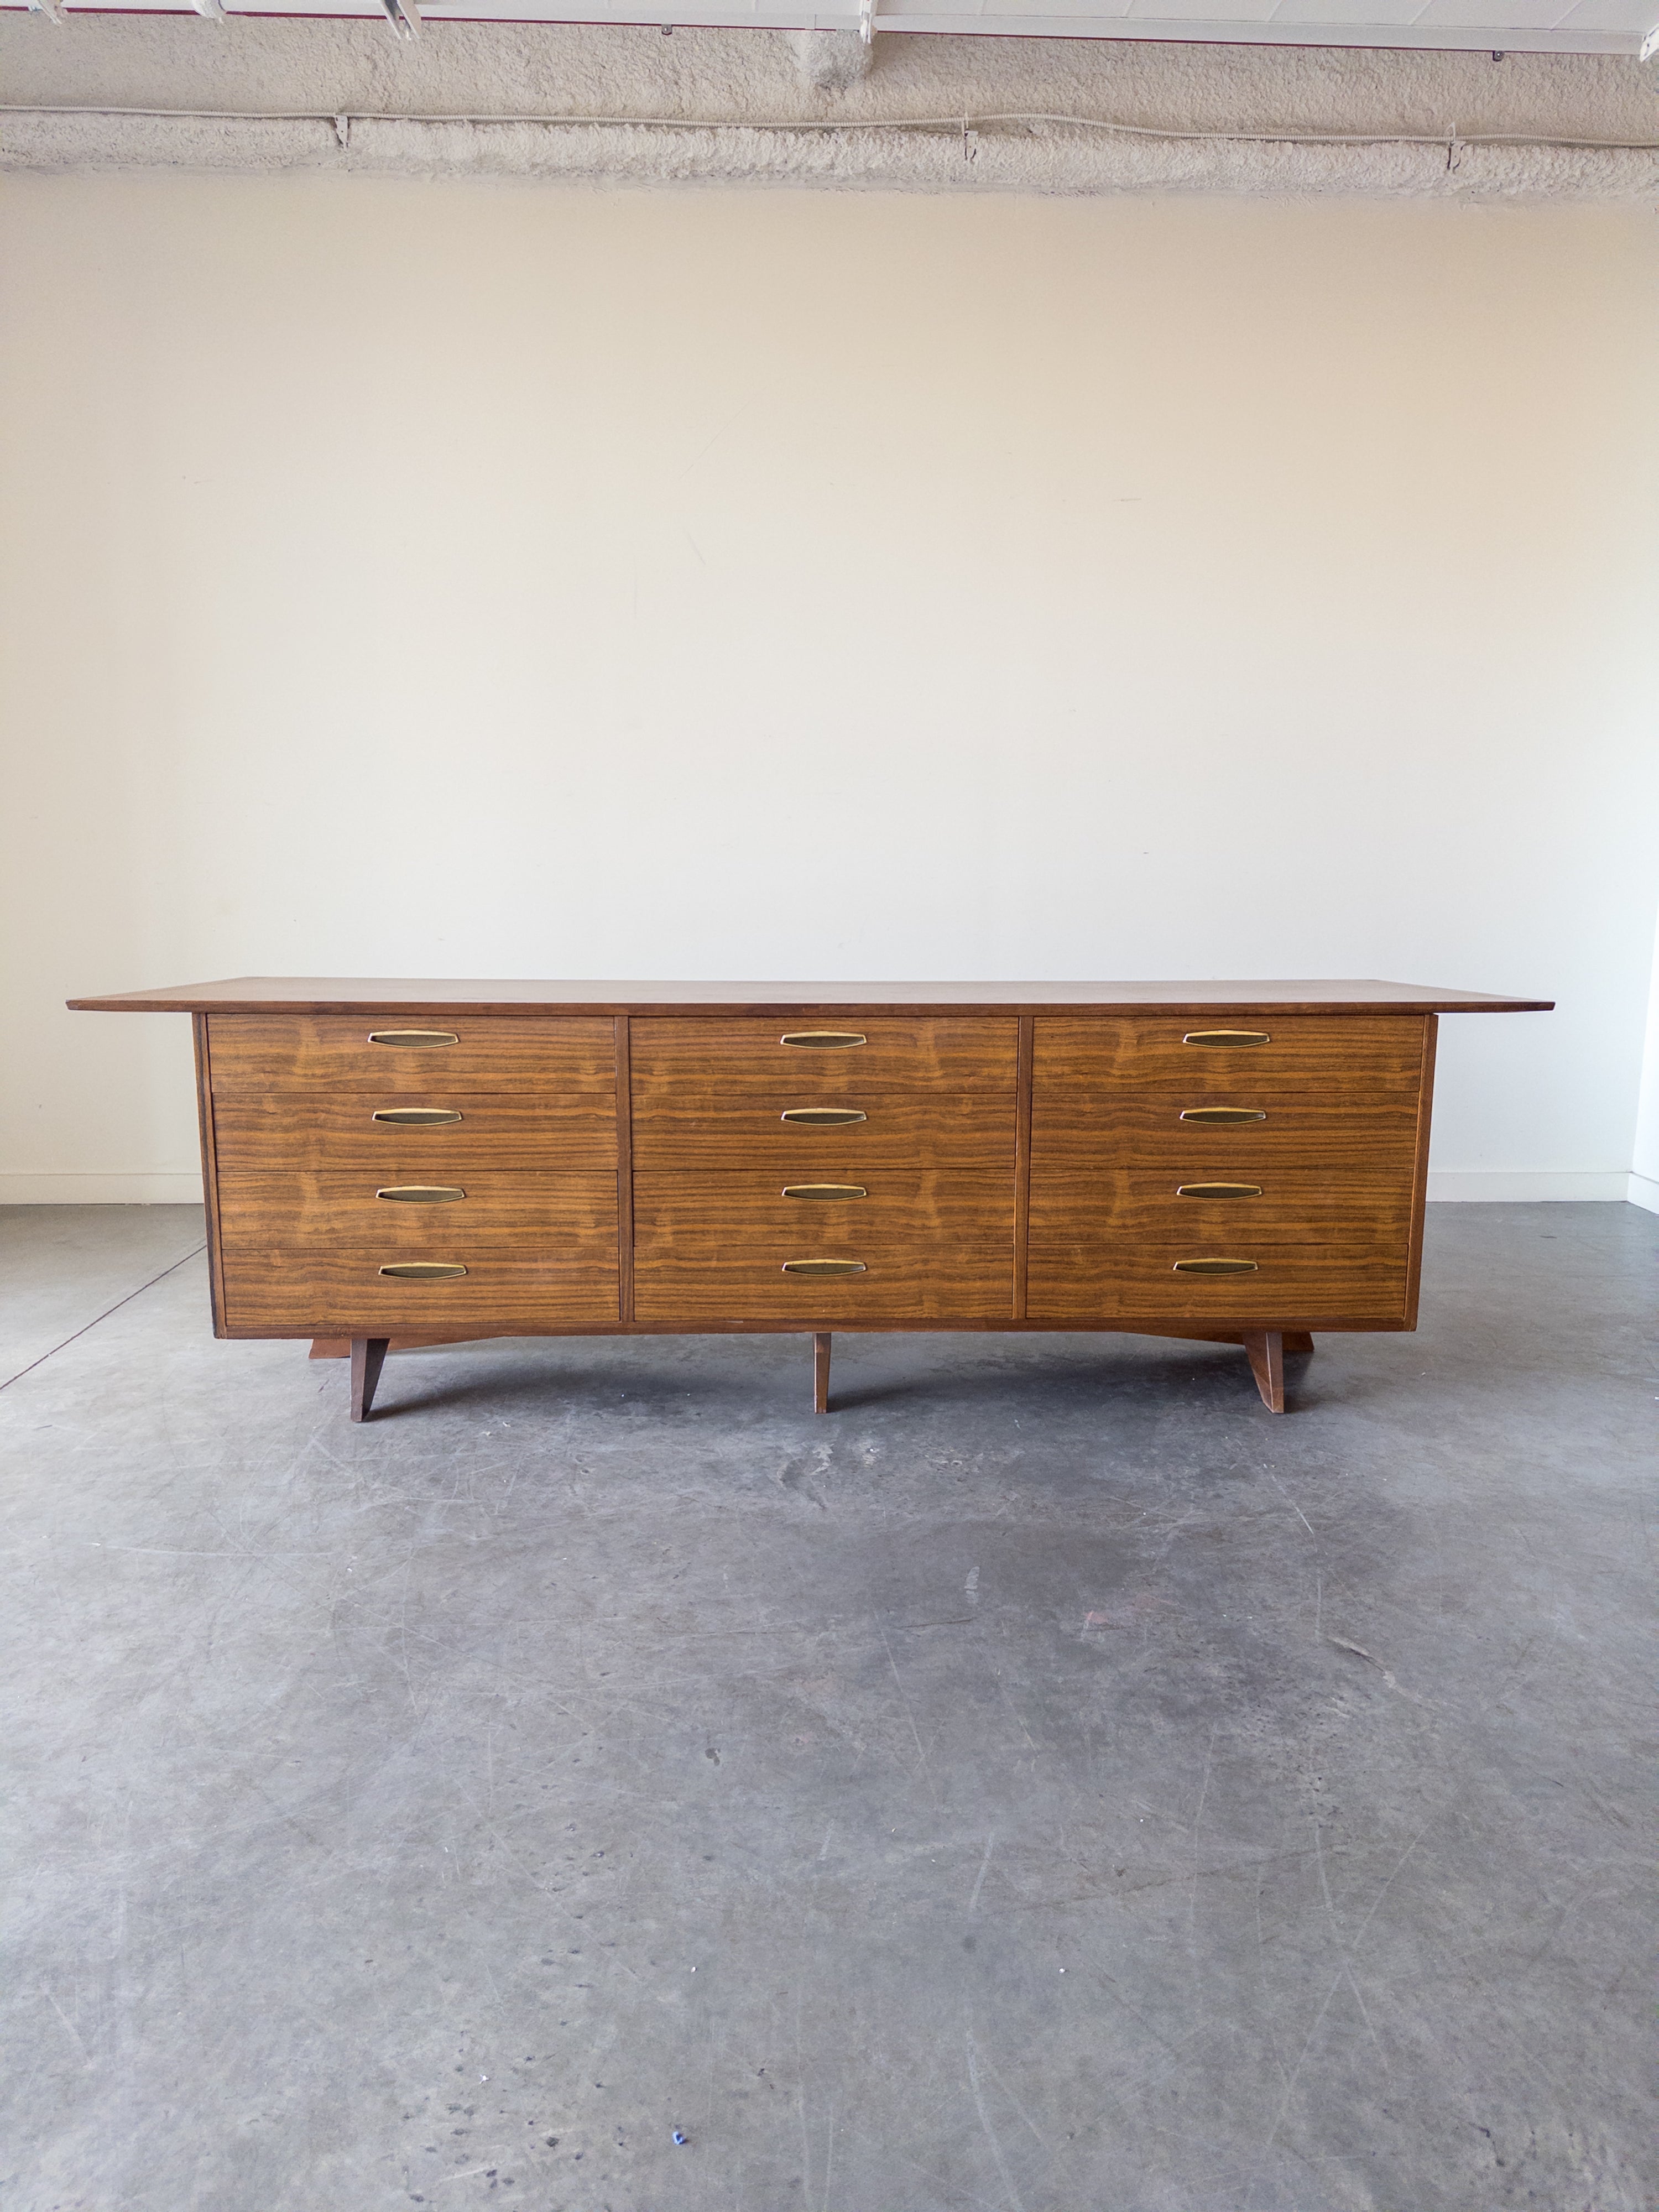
198,1024
1420,1187
1022,1163
624,1168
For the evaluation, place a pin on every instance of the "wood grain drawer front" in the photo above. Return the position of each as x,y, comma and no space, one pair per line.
704,1127
309,1248
572,1059
932,1247
1293,1133
1084,1070
1109,1245
748,1056
260,1131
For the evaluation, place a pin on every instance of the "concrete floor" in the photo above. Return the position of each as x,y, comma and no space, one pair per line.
1049,1784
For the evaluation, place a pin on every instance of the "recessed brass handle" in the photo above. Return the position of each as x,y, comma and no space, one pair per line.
414,1040
825,1190
423,1194
424,1271
1226,1036
1223,1117
822,1117
1207,1190
417,1117
823,1268
1214,1267
824,1040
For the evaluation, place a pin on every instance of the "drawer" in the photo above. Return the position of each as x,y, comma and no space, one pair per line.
1106,1246
574,1058
932,1247
701,1126
306,1249
1295,1132
1083,1068
334,1295
725,1058
268,1131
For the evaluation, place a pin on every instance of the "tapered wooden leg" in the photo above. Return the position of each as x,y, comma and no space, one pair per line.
367,1358
1267,1349
821,1372
1297,1340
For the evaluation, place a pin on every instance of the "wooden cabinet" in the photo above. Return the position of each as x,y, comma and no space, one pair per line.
433,1162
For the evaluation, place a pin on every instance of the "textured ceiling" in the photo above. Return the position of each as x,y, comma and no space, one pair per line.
822,110
1611,26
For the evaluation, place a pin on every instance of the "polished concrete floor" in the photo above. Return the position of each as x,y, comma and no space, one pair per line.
1048,1784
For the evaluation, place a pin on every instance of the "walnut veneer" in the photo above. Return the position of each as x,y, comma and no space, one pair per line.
433,1162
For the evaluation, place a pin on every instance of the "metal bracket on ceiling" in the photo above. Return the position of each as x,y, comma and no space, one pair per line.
867,22
50,9
213,10
404,17
1649,46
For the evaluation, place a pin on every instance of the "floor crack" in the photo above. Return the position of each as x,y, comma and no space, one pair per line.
104,1315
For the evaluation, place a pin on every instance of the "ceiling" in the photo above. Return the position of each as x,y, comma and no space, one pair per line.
1588,27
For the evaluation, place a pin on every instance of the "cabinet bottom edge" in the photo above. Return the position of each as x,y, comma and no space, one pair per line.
1231,1330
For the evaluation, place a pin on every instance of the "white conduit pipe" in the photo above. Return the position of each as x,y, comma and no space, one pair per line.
933,125
1019,150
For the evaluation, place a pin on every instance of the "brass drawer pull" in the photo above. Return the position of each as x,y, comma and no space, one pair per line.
416,1117
1214,1267
1203,1190
423,1194
1226,1036
824,1190
424,1271
823,1268
1223,1117
822,1117
414,1040
824,1040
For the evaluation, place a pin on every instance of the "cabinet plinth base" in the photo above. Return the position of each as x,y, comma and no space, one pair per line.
1268,1350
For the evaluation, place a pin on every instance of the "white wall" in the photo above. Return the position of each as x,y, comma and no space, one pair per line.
469,580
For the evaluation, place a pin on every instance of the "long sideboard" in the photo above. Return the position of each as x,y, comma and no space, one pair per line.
431,1162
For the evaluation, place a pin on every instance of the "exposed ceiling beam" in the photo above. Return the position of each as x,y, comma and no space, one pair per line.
820,109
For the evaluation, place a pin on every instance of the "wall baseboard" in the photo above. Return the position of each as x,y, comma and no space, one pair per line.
142,1186
1644,1191
1522,1185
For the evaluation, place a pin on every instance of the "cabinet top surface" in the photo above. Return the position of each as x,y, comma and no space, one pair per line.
334,994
